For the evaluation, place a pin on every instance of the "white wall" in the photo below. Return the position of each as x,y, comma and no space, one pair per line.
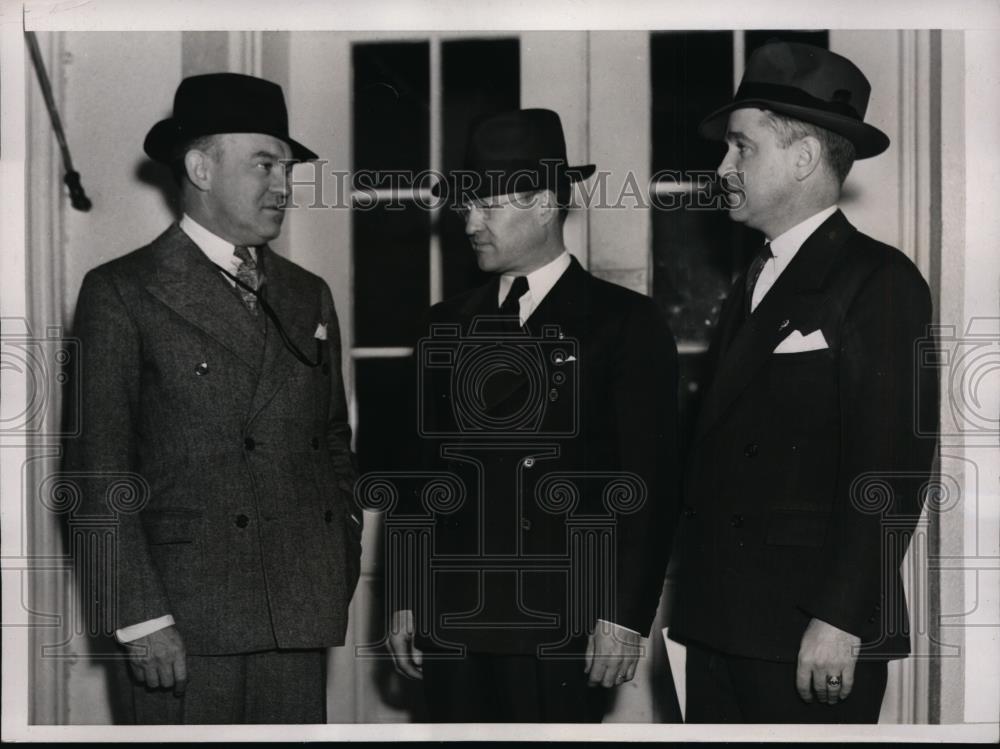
970,301
111,93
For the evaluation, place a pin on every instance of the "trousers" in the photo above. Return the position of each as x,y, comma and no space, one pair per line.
723,688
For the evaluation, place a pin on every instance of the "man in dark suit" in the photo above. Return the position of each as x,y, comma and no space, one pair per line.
806,474
211,378
551,396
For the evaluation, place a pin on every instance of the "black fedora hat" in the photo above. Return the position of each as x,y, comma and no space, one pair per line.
810,84
219,103
516,151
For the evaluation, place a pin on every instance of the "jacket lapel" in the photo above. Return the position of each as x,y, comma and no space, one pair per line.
794,303
189,284
566,301
298,315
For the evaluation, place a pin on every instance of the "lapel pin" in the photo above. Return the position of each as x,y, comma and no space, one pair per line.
784,324
201,369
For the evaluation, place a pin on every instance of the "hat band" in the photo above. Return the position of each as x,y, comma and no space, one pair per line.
794,96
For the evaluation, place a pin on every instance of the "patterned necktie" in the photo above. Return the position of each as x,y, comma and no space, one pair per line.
247,273
512,303
763,255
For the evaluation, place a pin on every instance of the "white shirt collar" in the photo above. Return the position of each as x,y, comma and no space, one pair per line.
217,249
787,244
540,283
783,249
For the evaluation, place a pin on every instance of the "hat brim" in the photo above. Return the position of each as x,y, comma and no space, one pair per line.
164,136
868,140
572,173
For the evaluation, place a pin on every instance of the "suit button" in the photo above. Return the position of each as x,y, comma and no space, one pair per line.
249,444
689,511
315,443
328,516
750,450
525,524
736,521
242,521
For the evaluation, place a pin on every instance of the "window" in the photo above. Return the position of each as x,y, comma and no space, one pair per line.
413,104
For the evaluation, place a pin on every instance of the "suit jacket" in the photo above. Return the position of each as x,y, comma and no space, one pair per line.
568,516
806,475
240,522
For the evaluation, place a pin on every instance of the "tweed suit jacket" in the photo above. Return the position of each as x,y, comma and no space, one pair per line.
572,519
807,471
242,524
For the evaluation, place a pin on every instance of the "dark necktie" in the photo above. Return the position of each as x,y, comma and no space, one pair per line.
763,255
512,303
247,273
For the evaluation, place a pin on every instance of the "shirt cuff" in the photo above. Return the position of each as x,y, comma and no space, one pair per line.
619,626
135,631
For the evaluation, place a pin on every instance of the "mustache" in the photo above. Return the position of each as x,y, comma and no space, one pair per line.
727,184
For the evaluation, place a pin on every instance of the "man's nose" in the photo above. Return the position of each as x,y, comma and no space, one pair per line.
473,221
281,180
724,168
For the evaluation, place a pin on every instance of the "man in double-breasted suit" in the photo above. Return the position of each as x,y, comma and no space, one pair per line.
550,396
211,380
807,470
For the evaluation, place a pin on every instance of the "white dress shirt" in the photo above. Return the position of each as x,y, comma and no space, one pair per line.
540,283
783,249
220,252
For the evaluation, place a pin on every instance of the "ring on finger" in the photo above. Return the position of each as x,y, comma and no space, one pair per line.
833,681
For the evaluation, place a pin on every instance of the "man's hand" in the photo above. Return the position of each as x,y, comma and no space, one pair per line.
405,655
826,652
612,655
159,660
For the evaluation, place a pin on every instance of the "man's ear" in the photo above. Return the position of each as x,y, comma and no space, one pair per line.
198,165
808,155
548,206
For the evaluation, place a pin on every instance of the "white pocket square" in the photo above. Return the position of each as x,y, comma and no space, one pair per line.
796,343
320,331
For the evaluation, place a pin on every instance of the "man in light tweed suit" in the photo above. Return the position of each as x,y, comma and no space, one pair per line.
211,370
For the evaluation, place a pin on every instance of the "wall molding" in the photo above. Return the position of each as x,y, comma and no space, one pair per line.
912,696
45,237
246,52
915,146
